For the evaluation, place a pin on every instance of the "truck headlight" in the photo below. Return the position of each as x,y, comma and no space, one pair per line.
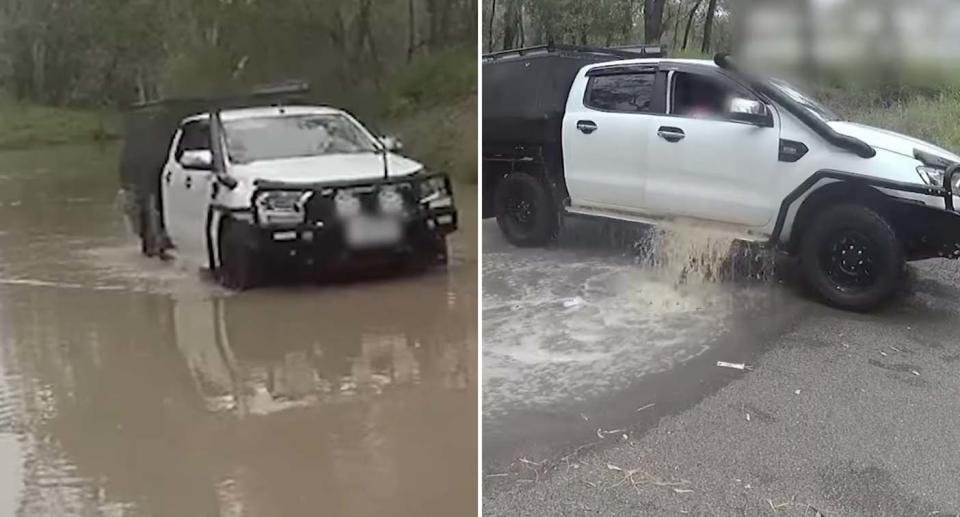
282,207
934,176
434,192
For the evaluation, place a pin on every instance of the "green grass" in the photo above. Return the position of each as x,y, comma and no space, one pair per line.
936,120
24,125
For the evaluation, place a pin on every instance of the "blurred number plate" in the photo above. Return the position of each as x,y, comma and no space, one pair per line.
368,232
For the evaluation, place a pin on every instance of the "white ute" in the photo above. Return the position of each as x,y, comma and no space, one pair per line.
668,141
246,191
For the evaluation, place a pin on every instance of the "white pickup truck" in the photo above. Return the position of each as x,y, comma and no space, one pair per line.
613,134
246,191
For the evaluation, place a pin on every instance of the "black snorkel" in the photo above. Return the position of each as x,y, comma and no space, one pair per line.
848,143
383,155
216,149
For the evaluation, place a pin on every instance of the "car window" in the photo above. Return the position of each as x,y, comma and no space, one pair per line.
703,96
627,93
195,137
272,138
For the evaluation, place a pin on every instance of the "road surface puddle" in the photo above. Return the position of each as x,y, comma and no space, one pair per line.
564,328
130,387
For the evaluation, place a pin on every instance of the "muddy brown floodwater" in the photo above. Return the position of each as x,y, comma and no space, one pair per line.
130,387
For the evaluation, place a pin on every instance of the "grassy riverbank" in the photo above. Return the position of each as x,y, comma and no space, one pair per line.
23,126
431,106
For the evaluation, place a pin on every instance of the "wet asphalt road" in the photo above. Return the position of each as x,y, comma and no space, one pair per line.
844,414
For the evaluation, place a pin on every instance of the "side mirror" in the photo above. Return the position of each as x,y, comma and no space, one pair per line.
750,111
391,143
199,159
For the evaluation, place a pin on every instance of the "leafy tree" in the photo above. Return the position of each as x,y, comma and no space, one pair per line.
113,52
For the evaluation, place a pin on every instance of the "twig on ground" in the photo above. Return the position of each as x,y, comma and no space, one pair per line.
645,479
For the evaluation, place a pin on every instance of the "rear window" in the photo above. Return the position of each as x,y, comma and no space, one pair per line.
627,93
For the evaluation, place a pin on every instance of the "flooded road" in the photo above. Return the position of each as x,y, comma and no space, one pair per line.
579,336
131,387
602,394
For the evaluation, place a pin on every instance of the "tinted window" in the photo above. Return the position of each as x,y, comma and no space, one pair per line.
196,137
630,93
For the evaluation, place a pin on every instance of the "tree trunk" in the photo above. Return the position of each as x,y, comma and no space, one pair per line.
808,60
653,20
676,26
686,33
708,26
39,60
510,24
435,37
493,16
523,37
411,29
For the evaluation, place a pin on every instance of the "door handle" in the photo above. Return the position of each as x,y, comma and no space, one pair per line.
188,182
587,126
671,134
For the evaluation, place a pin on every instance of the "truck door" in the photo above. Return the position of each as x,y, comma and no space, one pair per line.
609,115
187,191
703,164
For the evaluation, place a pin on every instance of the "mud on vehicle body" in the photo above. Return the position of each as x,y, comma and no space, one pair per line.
609,134
265,183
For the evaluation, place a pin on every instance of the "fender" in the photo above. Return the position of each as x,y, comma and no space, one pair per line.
809,183
209,233
215,215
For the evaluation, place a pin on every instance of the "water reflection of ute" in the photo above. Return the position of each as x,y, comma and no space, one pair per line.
263,183
242,365
126,403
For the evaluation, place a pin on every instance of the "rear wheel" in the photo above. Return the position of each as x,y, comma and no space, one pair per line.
852,258
239,267
525,212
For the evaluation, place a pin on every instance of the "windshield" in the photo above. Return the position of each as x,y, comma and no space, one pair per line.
273,138
811,104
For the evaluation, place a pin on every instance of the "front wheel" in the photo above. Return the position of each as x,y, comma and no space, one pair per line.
239,268
525,212
852,258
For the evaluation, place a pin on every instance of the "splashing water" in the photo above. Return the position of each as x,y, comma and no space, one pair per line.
692,255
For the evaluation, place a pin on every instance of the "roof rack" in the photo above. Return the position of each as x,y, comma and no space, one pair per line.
625,52
283,90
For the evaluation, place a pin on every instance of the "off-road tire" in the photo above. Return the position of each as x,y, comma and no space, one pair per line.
525,211
851,257
239,266
441,253
430,255
149,230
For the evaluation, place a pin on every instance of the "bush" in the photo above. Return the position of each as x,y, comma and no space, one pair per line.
431,80
443,137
